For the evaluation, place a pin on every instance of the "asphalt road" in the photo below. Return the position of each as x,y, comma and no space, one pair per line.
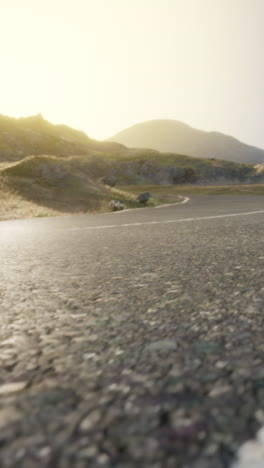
133,339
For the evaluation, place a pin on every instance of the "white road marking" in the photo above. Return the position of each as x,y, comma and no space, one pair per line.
181,220
184,200
251,453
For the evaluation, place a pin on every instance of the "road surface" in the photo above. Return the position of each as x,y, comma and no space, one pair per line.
133,339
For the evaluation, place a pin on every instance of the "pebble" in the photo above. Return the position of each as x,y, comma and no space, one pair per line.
88,356
218,391
102,459
13,387
88,452
176,371
221,364
44,452
90,421
119,388
118,352
14,340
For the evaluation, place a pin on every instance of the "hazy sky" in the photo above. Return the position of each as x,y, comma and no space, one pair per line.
103,65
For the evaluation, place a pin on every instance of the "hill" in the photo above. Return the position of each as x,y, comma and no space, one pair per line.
151,167
49,185
48,169
176,137
34,135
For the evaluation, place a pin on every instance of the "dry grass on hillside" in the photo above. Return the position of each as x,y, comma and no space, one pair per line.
13,206
48,186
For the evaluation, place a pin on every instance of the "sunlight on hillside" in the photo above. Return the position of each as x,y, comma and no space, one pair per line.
13,206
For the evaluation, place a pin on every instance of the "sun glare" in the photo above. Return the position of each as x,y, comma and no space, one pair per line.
101,66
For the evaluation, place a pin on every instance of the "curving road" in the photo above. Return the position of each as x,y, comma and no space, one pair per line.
133,339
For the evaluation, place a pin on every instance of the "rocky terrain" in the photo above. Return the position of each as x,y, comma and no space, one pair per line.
170,169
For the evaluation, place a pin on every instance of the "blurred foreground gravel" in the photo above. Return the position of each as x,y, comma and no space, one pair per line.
136,346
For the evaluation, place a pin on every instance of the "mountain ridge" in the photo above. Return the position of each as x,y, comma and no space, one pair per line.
167,135
24,136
